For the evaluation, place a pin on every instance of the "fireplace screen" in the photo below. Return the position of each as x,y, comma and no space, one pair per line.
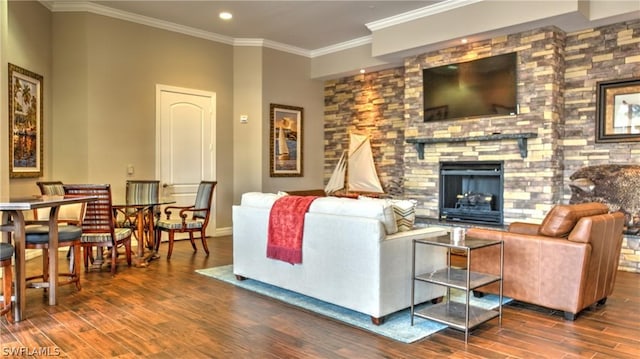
471,192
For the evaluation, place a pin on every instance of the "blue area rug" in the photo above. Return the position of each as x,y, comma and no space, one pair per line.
396,326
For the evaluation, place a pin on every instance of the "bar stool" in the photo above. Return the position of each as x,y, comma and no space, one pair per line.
69,235
6,253
37,237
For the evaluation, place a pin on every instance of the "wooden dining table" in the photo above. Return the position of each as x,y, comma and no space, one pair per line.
144,214
13,222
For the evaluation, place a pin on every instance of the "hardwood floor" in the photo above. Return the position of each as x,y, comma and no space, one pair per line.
169,311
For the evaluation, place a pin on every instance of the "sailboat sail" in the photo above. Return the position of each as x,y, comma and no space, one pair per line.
357,167
336,182
283,150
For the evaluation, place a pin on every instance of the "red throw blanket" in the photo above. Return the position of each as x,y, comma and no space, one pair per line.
286,225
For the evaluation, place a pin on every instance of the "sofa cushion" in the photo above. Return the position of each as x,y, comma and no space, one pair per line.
376,208
259,199
562,218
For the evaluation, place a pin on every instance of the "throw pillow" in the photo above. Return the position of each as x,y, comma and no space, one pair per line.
405,213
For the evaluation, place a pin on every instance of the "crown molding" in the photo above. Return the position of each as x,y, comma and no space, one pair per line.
342,46
272,45
418,13
83,6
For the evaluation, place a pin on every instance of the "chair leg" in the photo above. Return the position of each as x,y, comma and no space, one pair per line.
7,278
127,250
86,250
171,234
193,244
204,242
76,264
45,265
157,237
114,259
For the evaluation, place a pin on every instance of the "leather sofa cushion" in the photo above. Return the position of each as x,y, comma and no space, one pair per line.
562,218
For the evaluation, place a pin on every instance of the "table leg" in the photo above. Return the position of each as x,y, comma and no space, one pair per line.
152,236
18,242
53,254
141,261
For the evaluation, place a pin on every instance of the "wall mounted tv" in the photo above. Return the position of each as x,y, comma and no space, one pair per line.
483,87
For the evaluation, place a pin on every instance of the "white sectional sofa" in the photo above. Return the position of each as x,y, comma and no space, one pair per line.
349,256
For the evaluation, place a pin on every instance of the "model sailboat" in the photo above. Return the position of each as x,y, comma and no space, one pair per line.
356,171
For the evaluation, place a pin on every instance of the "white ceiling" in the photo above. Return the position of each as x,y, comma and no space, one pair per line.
301,26
307,25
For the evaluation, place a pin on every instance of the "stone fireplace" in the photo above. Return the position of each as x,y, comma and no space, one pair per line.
471,192
551,137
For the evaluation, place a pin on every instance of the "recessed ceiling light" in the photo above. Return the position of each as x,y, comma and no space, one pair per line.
225,15
464,41
362,71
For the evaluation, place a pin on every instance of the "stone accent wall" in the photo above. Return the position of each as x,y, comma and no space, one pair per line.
607,53
371,104
601,54
557,78
531,184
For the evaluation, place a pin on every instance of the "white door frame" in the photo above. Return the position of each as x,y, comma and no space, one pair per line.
158,158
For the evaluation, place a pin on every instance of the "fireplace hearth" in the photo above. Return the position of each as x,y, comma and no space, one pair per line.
471,192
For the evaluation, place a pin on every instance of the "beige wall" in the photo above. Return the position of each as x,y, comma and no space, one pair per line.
100,76
106,74
28,45
4,150
247,137
286,82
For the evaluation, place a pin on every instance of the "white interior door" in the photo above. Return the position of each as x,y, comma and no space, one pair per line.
185,144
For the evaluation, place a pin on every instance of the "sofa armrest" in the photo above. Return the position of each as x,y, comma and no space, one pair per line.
418,233
524,228
539,270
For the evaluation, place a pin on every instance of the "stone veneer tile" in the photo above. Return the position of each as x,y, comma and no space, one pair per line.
557,79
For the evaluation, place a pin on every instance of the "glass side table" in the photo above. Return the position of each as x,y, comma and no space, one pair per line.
461,316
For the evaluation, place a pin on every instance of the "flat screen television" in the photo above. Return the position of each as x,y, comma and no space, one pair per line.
483,87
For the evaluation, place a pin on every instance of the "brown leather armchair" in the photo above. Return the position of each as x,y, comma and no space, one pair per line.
568,262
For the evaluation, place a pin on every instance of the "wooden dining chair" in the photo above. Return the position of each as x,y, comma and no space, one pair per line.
140,192
69,233
6,253
98,224
37,237
188,219
55,188
51,188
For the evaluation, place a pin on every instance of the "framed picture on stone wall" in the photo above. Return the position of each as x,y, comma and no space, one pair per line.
618,111
25,123
285,140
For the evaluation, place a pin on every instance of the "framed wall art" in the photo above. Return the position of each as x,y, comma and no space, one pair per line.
618,111
25,123
285,141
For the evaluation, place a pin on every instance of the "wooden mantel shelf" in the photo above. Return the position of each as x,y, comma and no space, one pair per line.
520,137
